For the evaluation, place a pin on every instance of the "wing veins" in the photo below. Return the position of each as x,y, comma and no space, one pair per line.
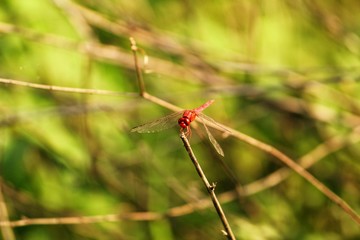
159,124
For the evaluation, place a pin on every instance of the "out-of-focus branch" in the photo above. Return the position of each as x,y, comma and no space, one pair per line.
6,229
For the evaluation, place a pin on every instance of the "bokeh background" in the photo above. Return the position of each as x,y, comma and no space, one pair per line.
284,72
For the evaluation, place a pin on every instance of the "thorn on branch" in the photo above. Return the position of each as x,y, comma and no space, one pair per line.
212,186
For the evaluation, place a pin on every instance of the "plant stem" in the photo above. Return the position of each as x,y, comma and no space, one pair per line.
209,187
139,77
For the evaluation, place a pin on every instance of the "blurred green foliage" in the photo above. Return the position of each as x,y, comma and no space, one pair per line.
284,72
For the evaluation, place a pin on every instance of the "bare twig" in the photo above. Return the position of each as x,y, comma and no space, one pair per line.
143,216
301,171
209,187
324,149
139,77
62,89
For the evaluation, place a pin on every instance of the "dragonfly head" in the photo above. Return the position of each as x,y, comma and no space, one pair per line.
184,122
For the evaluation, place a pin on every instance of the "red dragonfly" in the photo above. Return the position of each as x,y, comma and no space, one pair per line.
183,119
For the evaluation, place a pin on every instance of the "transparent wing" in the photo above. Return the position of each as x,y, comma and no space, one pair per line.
211,137
208,120
160,124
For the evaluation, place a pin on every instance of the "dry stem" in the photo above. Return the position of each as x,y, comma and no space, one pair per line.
209,187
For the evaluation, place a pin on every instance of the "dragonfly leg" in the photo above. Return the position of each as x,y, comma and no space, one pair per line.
187,131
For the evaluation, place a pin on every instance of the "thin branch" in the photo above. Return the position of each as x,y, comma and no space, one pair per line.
63,89
300,170
143,216
331,145
139,77
209,187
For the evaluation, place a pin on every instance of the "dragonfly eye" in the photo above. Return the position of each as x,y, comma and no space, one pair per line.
184,122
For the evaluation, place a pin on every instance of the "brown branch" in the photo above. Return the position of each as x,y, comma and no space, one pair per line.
143,216
209,187
139,77
63,89
331,145
300,170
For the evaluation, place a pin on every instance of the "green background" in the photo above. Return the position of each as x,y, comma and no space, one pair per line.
284,72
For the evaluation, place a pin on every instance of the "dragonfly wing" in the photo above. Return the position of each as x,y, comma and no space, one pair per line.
160,124
206,119
213,140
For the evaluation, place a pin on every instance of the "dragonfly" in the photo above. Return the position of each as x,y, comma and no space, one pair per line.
183,119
